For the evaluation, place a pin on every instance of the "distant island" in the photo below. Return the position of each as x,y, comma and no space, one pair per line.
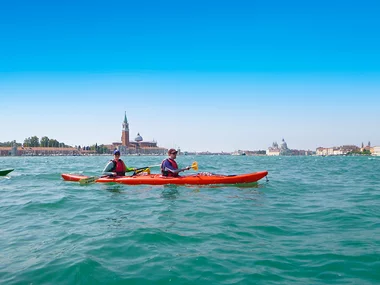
33,146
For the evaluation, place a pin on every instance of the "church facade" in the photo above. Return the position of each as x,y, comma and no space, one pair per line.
276,150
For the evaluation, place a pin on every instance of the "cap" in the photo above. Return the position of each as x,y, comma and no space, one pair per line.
116,151
172,150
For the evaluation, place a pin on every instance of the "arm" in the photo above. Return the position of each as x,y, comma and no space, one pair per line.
128,169
169,167
108,168
183,169
177,170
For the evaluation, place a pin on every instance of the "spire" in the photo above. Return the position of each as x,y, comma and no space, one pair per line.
125,132
125,123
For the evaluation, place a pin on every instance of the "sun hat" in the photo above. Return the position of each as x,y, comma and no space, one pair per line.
172,150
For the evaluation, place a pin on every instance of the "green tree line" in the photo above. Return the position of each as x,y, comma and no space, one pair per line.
34,141
358,152
10,144
100,149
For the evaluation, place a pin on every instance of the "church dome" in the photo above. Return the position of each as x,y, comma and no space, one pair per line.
138,138
284,145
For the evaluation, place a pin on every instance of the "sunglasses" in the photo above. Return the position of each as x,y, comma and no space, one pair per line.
173,153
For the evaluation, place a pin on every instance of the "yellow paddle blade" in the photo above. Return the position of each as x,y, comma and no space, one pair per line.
138,171
194,165
88,180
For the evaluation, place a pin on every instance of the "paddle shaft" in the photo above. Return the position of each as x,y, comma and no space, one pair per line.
156,165
92,179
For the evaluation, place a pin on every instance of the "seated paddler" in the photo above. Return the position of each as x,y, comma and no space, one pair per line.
169,166
116,166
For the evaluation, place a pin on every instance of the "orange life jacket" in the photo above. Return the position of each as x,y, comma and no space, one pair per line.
118,167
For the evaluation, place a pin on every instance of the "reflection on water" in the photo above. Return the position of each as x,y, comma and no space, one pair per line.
217,186
115,188
118,221
247,185
170,192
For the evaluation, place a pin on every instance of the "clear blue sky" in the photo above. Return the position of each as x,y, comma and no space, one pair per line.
200,75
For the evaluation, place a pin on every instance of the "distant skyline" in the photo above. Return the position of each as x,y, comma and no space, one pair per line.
202,76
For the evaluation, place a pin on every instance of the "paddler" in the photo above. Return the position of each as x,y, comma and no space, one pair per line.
169,166
117,166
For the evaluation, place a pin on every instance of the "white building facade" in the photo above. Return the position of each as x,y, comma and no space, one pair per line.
376,151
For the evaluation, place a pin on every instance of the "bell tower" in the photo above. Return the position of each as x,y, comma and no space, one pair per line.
125,132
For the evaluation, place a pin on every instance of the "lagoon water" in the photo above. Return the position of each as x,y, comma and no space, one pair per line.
317,221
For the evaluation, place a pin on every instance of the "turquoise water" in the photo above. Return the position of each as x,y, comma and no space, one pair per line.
317,221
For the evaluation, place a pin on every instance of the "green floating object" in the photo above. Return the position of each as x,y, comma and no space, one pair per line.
5,172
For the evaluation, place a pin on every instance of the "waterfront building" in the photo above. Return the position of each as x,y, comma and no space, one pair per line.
274,150
38,151
6,151
366,148
341,150
284,148
238,152
126,146
375,150
321,151
336,151
349,148
138,146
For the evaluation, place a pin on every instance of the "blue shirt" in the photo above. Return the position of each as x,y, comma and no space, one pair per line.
166,164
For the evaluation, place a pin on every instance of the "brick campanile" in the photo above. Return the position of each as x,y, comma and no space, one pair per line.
125,132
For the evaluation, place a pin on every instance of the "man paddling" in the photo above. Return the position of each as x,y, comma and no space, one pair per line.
117,166
169,166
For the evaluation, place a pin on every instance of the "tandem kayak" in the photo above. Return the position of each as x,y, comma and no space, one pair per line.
158,179
5,172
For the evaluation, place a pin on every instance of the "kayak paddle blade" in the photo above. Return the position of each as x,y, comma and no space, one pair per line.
140,170
194,165
88,180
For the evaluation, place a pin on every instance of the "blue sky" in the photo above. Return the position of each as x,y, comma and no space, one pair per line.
200,75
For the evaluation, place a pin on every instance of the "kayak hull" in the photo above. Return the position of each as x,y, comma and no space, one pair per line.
5,172
157,179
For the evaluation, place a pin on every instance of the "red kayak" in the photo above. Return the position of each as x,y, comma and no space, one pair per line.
158,179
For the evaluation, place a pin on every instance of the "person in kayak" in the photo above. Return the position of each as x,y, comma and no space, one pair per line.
169,166
117,166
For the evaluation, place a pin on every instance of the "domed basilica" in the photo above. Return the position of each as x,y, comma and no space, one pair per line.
138,146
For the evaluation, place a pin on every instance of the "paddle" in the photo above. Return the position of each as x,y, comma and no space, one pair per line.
88,180
93,179
194,165
144,169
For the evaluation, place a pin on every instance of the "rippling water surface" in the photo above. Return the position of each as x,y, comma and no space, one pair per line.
317,221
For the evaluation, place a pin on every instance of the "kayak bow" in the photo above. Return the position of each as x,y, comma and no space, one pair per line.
5,172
